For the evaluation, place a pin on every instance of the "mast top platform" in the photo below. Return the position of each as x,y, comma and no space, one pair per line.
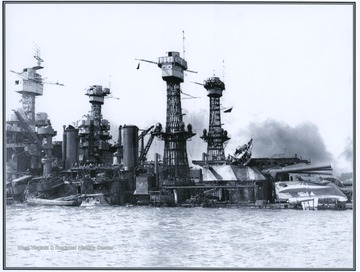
214,86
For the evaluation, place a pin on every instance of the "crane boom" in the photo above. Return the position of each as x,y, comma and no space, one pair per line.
142,135
28,130
143,154
144,151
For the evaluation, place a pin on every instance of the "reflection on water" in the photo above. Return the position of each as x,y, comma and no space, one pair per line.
104,236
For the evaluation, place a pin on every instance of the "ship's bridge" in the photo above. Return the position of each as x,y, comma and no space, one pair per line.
172,66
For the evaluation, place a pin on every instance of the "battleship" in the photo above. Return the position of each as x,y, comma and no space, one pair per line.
85,166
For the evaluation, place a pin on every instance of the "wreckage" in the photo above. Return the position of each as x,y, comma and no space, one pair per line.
85,165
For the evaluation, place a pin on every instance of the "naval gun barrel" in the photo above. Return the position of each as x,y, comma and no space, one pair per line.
298,169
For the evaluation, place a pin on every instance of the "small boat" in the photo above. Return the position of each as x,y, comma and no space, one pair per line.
54,202
310,195
90,202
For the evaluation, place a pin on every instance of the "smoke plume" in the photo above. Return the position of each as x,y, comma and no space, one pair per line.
344,162
347,154
199,121
273,137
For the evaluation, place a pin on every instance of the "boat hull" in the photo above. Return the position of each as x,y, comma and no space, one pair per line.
310,195
53,202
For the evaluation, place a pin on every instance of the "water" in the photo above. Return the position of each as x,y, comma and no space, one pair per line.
149,237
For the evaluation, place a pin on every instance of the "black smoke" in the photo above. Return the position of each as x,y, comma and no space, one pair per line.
273,137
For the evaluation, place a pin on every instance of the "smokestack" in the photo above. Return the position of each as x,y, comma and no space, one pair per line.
120,147
119,137
131,147
71,146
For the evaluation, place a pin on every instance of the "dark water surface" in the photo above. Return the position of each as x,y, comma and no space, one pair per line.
120,237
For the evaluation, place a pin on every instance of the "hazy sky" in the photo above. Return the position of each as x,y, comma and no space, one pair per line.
290,64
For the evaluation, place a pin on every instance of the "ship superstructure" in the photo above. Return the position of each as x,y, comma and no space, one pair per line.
97,166
89,141
175,161
94,130
119,173
29,134
216,136
30,85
